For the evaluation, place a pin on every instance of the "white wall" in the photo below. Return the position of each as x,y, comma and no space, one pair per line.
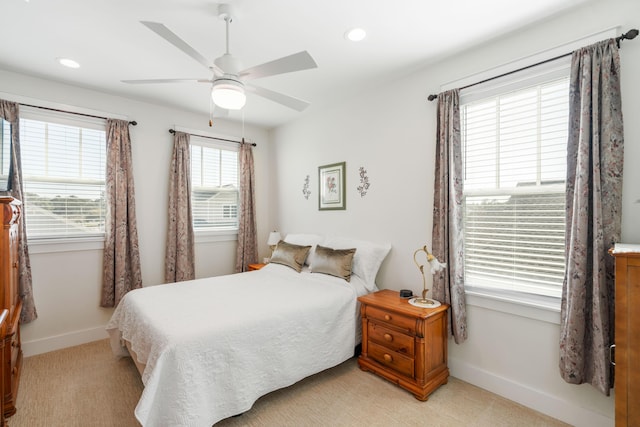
390,130
66,285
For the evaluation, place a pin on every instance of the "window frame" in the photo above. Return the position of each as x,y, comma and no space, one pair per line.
62,243
223,233
496,298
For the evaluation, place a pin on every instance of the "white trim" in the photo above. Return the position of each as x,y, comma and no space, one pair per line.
57,342
215,236
548,404
63,118
50,104
44,246
541,311
532,59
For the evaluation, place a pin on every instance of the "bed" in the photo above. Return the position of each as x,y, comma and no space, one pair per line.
207,349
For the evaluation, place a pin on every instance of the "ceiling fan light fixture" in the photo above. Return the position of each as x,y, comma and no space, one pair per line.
228,94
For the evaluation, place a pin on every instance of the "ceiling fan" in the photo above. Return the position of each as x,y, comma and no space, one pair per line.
229,82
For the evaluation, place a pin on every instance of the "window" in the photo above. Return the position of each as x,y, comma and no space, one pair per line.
63,172
5,155
214,185
514,140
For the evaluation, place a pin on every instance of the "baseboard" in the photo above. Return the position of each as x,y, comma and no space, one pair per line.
57,342
547,404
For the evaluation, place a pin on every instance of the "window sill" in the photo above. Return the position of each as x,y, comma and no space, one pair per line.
545,311
215,236
43,246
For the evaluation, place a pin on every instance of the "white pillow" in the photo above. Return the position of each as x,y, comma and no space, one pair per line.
368,257
305,240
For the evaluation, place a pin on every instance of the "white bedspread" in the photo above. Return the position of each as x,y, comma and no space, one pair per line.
213,346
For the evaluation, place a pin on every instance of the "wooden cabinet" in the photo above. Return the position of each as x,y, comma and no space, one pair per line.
407,345
627,341
10,213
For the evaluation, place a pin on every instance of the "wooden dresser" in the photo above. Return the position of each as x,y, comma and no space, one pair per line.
10,213
3,331
407,345
627,342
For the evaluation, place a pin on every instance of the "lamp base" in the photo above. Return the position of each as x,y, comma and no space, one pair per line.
424,302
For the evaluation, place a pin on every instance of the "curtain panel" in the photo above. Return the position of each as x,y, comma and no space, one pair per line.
121,252
247,251
447,237
10,111
179,259
593,216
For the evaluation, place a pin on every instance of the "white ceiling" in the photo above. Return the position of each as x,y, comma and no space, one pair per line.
107,39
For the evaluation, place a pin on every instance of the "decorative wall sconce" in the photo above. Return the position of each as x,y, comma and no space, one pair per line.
364,182
305,188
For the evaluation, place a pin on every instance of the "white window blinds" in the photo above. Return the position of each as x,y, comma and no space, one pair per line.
514,154
63,171
214,181
5,154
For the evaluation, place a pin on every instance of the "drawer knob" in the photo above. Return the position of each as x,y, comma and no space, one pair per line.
388,337
388,358
387,317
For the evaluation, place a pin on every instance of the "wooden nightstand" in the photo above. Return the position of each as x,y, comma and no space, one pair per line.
257,266
405,344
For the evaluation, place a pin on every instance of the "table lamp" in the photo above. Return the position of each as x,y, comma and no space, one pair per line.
272,241
435,267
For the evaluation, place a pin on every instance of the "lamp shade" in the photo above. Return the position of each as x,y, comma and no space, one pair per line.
274,238
228,94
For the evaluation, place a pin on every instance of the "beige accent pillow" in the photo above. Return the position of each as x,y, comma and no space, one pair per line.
290,255
336,262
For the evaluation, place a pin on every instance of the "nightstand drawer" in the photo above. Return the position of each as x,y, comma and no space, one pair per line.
392,359
391,339
392,318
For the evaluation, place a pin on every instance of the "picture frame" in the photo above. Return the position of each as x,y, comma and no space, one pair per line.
332,187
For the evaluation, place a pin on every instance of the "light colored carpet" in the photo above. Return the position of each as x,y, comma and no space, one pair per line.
87,386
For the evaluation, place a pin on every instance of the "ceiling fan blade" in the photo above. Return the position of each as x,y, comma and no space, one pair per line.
287,64
148,81
280,98
172,38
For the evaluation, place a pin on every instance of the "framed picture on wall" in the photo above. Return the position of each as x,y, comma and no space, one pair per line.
332,183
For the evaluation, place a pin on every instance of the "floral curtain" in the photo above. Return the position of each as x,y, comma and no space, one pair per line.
593,203
448,285
121,253
179,261
10,112
247,251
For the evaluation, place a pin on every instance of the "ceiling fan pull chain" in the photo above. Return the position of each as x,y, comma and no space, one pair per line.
227,19
211,110
243,125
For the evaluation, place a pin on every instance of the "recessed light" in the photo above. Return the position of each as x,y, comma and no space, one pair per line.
355,34
68,62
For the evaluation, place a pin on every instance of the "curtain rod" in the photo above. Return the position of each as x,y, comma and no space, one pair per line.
629,35
133,122
219,139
